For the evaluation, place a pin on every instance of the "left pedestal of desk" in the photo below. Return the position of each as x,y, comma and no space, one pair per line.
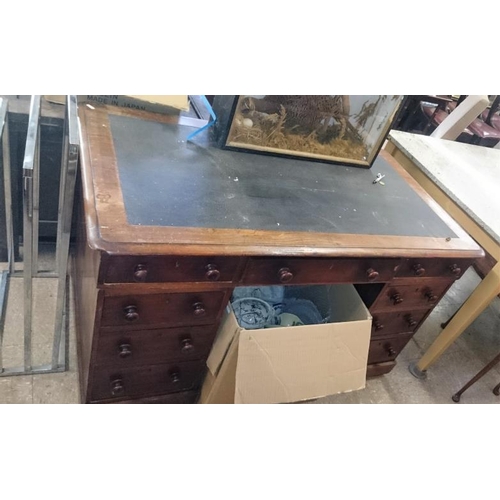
141,341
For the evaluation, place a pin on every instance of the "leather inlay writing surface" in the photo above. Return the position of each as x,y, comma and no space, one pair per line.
166,181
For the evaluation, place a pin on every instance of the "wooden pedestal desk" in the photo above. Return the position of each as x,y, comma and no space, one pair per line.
168,228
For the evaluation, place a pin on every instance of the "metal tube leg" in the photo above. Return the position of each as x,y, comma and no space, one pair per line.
69,171
30,180
456,397
8,197
4,276
28,269
61,300
479,300
4,288
62,191
36,206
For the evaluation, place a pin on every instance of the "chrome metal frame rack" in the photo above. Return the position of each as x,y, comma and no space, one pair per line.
31,198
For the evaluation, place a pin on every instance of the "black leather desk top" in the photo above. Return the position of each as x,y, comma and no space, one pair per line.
166,181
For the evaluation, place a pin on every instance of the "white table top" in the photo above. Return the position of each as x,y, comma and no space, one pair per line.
469,175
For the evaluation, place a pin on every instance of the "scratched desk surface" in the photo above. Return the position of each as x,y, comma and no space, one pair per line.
167,181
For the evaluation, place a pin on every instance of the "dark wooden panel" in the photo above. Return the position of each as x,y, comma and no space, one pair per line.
180,398
318,271
424,294
164,269
166,310
384,350
445,268
380,369
88,300
389,323
152,347
155,380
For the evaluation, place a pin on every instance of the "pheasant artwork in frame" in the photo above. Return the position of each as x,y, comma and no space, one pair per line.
342,129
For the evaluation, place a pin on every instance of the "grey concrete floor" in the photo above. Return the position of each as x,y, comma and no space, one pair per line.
477,346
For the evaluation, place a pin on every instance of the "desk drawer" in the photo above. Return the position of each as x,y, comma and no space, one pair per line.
154,347
423,295
166,310
433,268
113,383
161,269
390,323
318,271
384,350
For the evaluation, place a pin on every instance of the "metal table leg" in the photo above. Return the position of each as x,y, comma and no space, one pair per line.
30,182
4,276
68,181
31,196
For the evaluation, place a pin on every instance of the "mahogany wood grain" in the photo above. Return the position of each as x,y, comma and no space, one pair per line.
88,300
160,269
391,323
117,383
152,347
383,350
265,271
179,398
451,268
162,310
423,294
380,369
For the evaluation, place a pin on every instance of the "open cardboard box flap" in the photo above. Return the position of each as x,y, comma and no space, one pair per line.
285,365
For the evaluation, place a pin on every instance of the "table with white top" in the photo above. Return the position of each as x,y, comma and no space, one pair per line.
465,181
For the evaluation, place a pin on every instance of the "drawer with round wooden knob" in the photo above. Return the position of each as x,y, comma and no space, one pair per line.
383,350
421,295
390,323
265,271
167,269
433,268
166,310
115,383
152,347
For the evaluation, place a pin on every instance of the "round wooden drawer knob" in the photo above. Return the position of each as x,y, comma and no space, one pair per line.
418,270
125,351
175,376
455,270
187,346
199,309
131,313
372,274
397,299
140,273
411,321
378,326
117,387
390,350
285,275
431,297
212,273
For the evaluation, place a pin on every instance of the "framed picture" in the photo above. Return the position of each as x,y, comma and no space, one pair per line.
342,129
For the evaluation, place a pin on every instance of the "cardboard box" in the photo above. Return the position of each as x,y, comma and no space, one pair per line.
154,103
287,365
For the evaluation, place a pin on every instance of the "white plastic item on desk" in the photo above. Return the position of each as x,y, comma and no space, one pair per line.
461,117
